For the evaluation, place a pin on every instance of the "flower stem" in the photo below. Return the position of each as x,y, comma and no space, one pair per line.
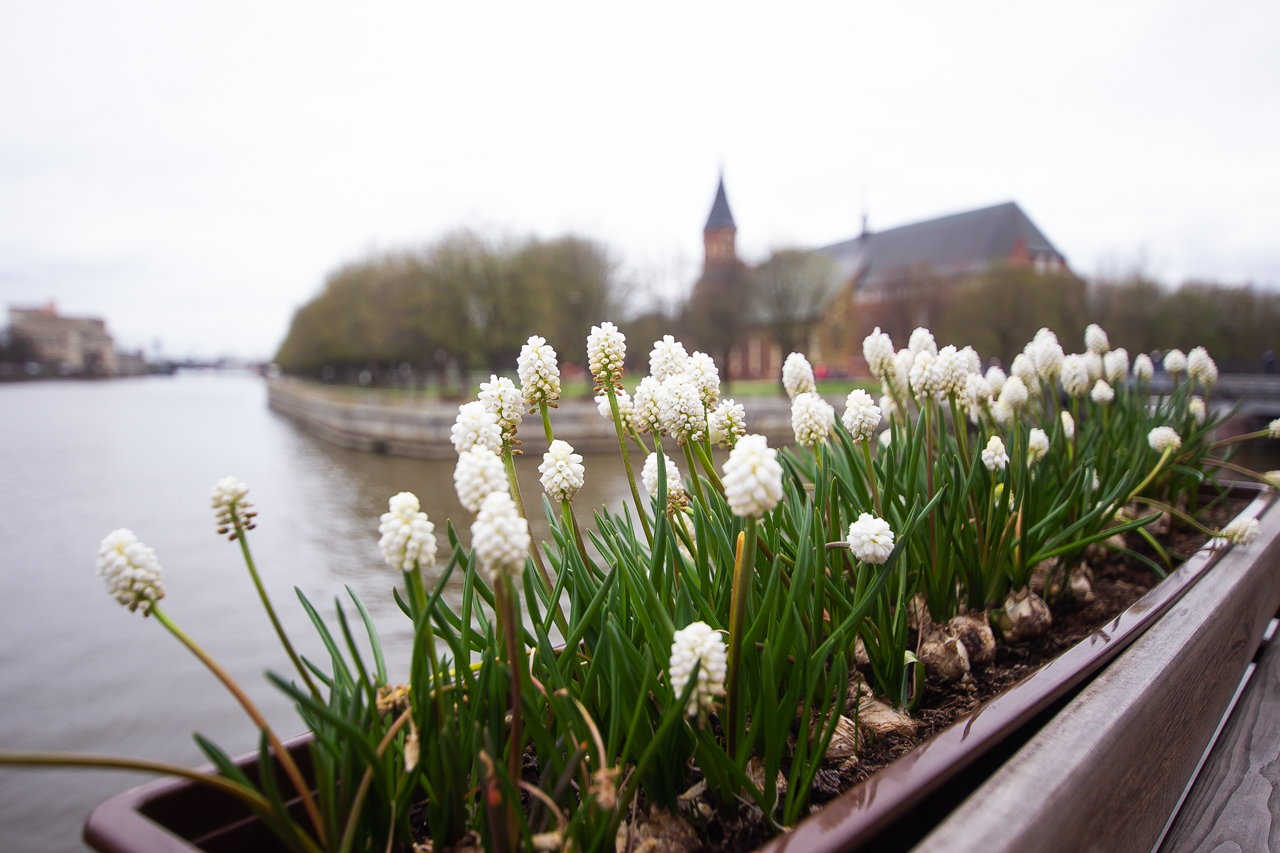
743,575
1164,457
271,611
697,480
571,522
282,754
871,477
507,601
704,456
508,459
626,459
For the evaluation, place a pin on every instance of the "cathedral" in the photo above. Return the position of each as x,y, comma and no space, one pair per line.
896,279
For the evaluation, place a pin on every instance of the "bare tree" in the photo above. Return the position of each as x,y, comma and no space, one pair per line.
790,291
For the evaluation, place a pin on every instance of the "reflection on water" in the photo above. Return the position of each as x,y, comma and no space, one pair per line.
78,672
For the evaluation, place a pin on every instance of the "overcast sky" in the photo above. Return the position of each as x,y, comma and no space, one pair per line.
192,171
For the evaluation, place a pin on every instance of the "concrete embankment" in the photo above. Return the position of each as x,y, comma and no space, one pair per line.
381,423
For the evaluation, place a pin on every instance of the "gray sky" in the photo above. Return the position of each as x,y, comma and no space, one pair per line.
192,171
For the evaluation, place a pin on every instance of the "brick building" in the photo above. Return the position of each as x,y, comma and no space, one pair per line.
75,345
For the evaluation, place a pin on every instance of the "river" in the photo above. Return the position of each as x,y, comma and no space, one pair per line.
80,673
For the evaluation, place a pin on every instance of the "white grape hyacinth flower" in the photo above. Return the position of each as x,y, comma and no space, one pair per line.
231,507
606,352
952,369
130,571
503,400
877,349
539,371
888,406
648,406
994,455
870,539
1093,362
1025,369
1014,393
1175,362
861,415
1102,393
475,424
812,419
562,471
478,474
1272,479
1201,366
698,645
885,438
1095,339
997,378
728,423
752,477
1163,438
649,476
1242,532
500,537
1197,410
1002,412
1273,429
701,372
1068,425
1047,355
1116,365
975,394
1037,446
408,536
926,377
971,360
922,340
626,408
667,358
684,417
901,380
1075,376
1143,369
797,375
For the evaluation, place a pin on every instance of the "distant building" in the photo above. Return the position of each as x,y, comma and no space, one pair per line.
74,345
896,279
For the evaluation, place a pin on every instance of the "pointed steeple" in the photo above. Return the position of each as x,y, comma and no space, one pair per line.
721,216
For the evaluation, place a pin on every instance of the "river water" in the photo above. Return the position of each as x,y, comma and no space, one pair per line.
80,673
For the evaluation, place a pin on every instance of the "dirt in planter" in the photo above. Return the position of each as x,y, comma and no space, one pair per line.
1119,580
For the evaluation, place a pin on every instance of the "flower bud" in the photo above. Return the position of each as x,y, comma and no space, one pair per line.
1095,339
1037,446
539,372
562,471
797,375
502,399
728,423
649,476
478,474
1162,438
130,570
812,419
1175,362
1201,366
870,539
499,537
878,351
407,535
231,509
861,415
668,358
698,644
606,352
752,477
1102,393
1143,369
475,425
994,455
701,372
1116,365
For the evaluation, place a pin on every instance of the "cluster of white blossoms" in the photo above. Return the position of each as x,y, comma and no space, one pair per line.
996,377
649,476
926,377
478,474
877,348
539,372
648,406
1014,393
861,415
797,376
728,423
667,358
1068,426
1095,339
407,535
475,425
230,508
698,645
922,341
994,455
606,352
1273,429
503,400
1175,362
626,408
683,415
1241,531
701,372
812,419
499,537
752,477
1163,438
1115,364
130,571
1102,393
562,471
1197,410
1037,446
870,539
1075,375
976,396
1143,368
1200,366
1046,355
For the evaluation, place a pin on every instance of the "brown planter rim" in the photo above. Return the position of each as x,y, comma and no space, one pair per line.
139,820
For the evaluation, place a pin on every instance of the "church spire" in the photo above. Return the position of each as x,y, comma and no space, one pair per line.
718,237
721,216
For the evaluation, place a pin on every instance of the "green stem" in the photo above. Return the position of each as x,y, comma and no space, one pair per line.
626,460
743,577
546,421
1164,457
697,480
507,601
349,834
871,477
571,521
508,459
271,611
704,457
282,754
1262,433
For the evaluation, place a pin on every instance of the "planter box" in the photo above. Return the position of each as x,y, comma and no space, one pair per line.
177,816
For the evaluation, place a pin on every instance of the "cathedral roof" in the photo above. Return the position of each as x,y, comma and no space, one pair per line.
720,216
